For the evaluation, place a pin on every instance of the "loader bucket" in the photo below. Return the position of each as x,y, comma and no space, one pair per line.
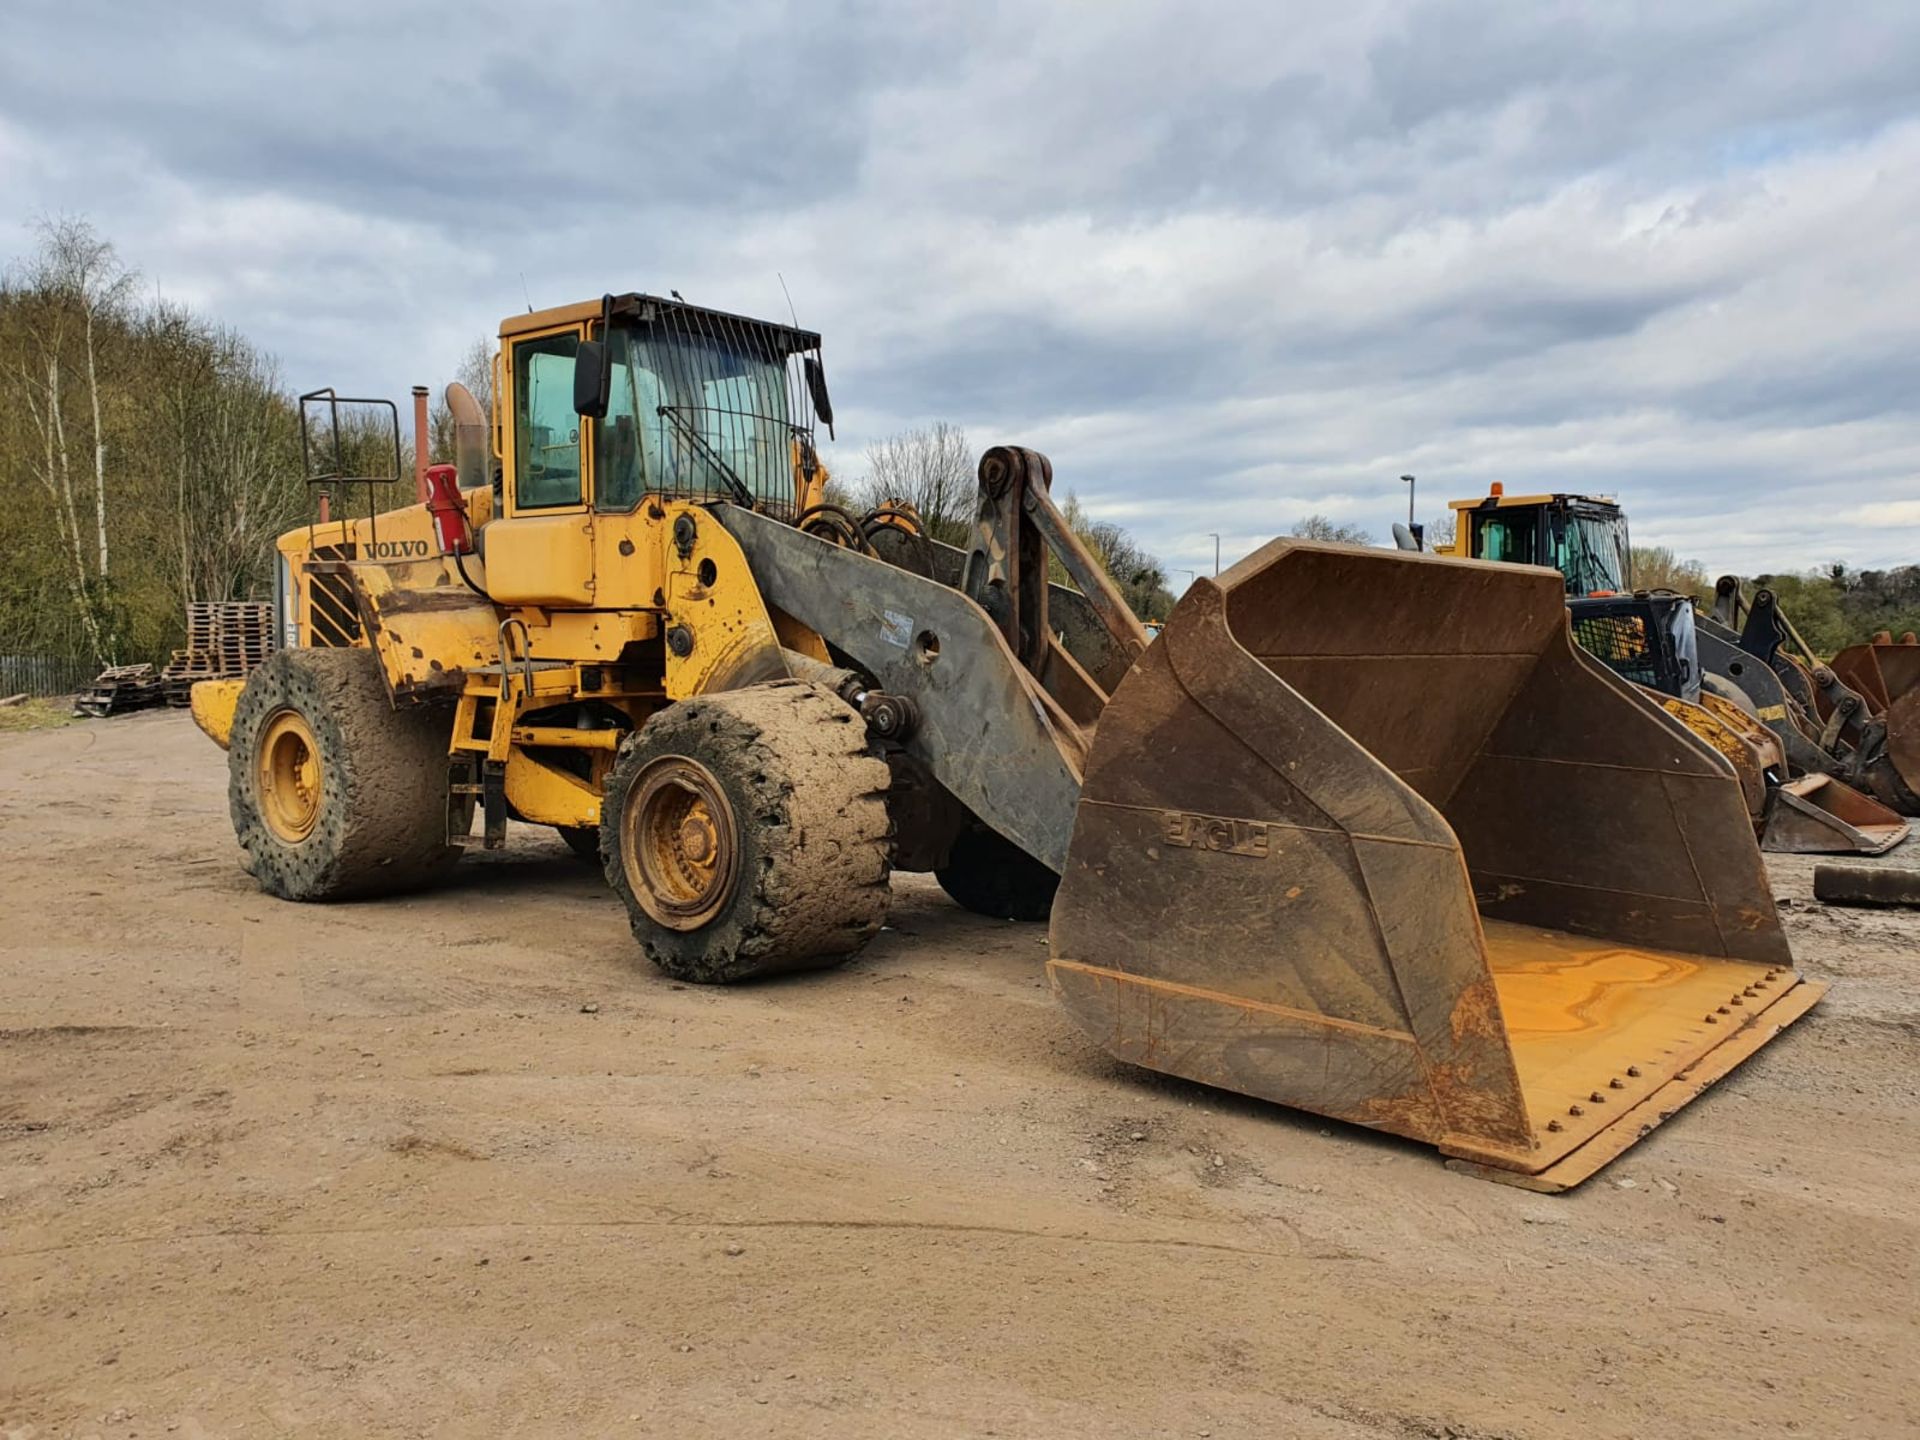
1887,674
1882,670
1819,815
1747,744
1364,834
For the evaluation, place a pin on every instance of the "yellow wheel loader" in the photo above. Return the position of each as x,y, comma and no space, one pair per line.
1360,832
1837,792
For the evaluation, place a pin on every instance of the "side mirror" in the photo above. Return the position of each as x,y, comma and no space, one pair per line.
592,379
817,388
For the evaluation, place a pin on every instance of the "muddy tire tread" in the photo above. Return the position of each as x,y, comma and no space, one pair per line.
382,828
810,806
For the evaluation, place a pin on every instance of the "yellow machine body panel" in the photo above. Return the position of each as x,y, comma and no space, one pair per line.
542,560
319,599
714,602
628,552
403,533
428,628
213,703
551,796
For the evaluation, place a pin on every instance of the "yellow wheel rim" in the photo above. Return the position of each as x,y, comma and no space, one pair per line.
678,843
287,761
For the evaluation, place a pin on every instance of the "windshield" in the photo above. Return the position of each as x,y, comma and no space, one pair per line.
1590,549
703,413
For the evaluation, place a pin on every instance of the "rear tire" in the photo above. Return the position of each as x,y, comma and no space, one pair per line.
334,793
583,840
990,875
747,833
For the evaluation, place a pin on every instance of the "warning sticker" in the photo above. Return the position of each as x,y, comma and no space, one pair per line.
896,629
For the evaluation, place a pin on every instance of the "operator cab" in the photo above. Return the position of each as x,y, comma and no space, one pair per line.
603,405
1584,537
633,395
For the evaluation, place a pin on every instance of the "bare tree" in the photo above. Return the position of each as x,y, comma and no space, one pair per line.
1141,578
1441,529
36,380
83,271
1655,567
932,470
74,287
229,436
133,429
1319,527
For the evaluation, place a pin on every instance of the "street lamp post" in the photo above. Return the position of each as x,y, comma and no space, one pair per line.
1413,526
1216,553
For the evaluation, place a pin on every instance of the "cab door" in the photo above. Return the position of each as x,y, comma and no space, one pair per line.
540,552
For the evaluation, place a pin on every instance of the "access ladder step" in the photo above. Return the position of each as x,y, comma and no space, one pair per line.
493,799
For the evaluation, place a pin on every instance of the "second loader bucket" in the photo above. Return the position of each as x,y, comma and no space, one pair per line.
1819,815
1887,673
1812,815
1363,833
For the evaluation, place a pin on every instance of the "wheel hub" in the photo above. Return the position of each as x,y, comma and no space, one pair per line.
679,843
697,839
291,781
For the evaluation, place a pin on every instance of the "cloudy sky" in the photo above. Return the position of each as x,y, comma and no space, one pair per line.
1227,264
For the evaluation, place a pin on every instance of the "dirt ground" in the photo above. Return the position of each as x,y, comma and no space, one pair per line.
463,1164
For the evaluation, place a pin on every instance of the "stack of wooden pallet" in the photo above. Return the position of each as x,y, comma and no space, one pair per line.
121,688
225,639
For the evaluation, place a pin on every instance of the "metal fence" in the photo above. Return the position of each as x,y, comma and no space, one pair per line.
44,674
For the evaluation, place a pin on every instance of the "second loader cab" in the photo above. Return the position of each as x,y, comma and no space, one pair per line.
1647,637
1584,537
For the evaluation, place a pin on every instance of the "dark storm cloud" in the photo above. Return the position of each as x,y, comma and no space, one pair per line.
1229,263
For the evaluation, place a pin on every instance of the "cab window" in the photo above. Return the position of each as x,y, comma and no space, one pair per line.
624,440
546,430
1513,537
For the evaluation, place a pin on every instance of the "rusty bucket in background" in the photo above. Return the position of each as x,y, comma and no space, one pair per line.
1886,672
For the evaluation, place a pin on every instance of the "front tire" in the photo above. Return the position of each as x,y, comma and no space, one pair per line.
334,793
747,833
